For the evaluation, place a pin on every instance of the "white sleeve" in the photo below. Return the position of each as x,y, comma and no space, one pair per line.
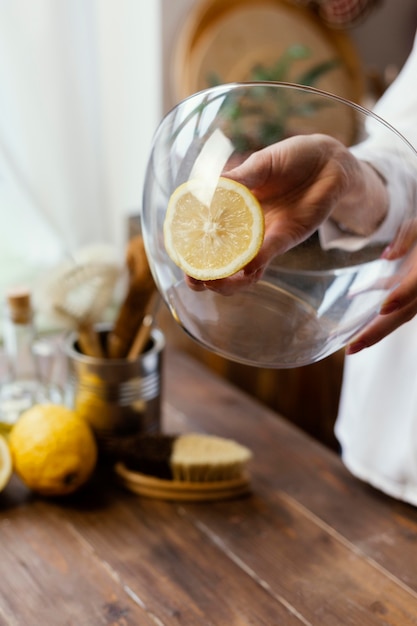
391,156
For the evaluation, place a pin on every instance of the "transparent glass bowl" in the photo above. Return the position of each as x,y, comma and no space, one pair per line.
310,302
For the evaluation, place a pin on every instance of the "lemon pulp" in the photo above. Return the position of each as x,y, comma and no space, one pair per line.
213,233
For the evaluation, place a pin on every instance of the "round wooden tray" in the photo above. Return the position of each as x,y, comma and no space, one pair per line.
158,488
227,39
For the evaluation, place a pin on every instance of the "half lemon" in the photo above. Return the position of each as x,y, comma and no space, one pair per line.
212,233
5,463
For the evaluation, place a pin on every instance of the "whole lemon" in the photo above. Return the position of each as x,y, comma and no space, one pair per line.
5,463
53,449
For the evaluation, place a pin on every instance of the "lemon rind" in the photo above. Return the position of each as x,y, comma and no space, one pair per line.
6,463
238,262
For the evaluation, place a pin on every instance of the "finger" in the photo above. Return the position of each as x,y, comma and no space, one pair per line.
254,171
194,284
399,308
232,284
405,294
405,238
381,327
278,240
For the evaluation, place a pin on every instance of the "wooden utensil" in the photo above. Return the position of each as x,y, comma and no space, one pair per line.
78,291
145,328
181,491
132,312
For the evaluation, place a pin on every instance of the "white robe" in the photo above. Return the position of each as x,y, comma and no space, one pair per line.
377,421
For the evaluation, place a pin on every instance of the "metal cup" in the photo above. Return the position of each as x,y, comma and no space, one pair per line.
117,397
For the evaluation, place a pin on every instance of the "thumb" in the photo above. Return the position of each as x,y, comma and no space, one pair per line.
272,247
253,172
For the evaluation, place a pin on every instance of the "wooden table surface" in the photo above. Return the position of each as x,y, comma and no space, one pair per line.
310,545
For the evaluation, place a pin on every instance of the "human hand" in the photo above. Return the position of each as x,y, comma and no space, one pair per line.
299,182
401,304
303,181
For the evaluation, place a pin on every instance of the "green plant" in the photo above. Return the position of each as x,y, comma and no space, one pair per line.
272,125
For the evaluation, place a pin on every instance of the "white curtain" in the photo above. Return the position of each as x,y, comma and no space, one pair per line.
80,98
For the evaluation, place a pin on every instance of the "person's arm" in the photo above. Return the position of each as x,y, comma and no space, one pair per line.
368,186
398,106
389,157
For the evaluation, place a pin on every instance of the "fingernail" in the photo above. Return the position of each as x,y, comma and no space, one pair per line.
387,252
254,275
390,307
355,347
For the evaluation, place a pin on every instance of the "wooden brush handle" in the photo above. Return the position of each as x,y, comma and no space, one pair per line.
141,338
128,321
133,308
145,329
89,341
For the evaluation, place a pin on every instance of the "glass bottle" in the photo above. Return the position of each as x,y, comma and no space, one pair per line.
23,386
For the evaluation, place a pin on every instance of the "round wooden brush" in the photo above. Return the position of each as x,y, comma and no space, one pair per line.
188,457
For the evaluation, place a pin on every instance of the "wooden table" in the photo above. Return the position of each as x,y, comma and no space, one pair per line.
310,545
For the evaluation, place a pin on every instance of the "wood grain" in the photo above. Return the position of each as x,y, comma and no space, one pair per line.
310,546
49,574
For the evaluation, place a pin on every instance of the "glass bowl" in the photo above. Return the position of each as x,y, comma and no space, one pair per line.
310,301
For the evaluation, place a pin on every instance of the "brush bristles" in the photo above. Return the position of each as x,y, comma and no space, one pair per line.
206,458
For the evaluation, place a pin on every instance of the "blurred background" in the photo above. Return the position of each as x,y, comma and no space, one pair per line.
83,86
382,38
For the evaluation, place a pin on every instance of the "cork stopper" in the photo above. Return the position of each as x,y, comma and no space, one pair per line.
19,305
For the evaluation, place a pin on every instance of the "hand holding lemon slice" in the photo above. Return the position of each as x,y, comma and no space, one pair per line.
211,234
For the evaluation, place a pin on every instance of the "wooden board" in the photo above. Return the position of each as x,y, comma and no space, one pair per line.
230,37
151,487
224,40
310,545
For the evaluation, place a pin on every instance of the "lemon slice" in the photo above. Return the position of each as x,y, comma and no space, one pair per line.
5,463
213,233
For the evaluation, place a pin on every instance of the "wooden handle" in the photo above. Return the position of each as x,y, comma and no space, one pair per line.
89,341
141,338
145,329
133,309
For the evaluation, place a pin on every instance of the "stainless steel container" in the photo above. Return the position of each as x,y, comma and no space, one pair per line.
119,398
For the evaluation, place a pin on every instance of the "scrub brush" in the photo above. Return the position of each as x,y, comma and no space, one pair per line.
205,458
77,292
192,457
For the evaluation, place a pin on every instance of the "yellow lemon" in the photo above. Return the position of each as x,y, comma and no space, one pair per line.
91,405
213,233
53,449
5,463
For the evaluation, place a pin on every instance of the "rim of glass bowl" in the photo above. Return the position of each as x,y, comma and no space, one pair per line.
221,89
288,85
